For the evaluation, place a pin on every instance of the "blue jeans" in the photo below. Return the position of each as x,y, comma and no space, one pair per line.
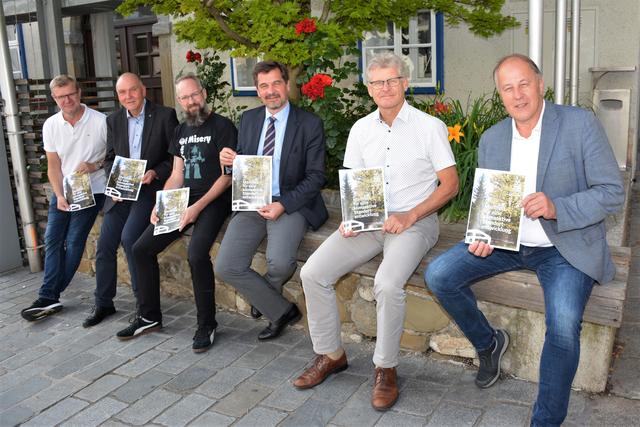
566,292
64,242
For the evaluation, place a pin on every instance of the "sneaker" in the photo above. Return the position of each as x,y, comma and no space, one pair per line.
490,359
41,308
203,339
98,315
139,326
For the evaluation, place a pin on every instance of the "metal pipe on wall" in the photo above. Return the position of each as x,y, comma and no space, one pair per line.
16,147
536,13
561,51
575,51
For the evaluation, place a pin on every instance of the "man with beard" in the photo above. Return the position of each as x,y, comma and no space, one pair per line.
295,140
138,130
195,147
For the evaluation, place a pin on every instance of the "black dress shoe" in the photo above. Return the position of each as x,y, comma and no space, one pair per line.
98,315
275,328
255,313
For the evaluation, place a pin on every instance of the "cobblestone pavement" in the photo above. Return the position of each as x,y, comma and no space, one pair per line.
56,372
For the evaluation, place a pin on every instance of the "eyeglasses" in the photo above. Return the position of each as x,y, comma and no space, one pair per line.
392,82
194,95
63,97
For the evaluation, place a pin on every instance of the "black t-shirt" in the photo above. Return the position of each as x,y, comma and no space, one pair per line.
200,148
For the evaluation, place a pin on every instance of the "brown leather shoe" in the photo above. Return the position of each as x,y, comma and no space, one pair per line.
322,367
385,389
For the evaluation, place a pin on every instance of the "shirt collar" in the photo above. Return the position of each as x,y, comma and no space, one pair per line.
129,116
536,129
83,119
280,115
403,114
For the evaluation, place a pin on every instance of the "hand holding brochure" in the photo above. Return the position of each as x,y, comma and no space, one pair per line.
251,183
362,197
125,178
496,209
170,205
77,191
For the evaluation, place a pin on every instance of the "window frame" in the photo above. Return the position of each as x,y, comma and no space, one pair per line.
242,90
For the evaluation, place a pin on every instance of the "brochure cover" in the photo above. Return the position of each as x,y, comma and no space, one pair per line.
251,183
170,205
362,197
125,178
77,191
496,211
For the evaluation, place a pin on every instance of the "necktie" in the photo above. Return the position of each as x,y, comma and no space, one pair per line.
269,138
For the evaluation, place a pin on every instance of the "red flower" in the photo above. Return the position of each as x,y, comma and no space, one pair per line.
441,107
314,88
193,56
307,25
198,57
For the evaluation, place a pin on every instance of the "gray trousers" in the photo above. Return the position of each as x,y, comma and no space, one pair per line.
244,234
338,256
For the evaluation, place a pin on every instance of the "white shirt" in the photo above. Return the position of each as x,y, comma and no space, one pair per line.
84,142
411,151
524,161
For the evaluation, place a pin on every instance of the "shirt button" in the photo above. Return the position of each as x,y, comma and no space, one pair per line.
389,131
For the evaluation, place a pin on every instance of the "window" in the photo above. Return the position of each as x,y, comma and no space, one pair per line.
242,76
420,43
15,39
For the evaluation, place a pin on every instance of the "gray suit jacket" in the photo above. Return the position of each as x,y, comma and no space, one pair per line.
578,171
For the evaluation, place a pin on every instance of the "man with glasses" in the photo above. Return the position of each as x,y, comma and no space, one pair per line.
138,130
75,142
196,150
420,177
295,140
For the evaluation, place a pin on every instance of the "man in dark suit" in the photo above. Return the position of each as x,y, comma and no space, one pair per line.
295,140
138,130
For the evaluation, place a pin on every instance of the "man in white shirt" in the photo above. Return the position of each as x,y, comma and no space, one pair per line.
75,140
572,183
420,177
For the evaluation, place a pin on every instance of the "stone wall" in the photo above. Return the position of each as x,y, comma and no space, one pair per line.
426,326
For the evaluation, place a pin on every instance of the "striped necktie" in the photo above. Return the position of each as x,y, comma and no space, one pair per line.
269,138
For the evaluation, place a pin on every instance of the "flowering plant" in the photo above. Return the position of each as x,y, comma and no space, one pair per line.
306,26
193,56
314,88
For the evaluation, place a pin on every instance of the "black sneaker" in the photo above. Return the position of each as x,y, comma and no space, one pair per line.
41,308
139,326
490,359
203,339
98,315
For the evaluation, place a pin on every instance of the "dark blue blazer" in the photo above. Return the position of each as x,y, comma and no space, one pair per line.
302,173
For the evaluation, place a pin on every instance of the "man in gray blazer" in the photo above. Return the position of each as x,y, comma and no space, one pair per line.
573,183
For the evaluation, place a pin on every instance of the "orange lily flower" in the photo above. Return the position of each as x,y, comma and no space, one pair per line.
454,132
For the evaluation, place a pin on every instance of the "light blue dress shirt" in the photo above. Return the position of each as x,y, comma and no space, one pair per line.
136,124
281,125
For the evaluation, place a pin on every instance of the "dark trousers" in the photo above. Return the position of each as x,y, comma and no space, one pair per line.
148,246
123,224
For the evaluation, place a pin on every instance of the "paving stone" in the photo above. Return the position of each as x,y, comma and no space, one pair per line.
358,409
631,314
141,386
184,411
224,381
212,419
180,361
58,413
242,399
629,338
180,308
22,391
625,380
142,344
111,345
504,415
614,412
338,388
190,378
73,365
263,417
148,407
259,356
312,413
439,372
101,387
54,393
15,416
176,343
97,413
142,363
113,423
101,367
449,414
287,397
513,390
465,391
223,354
24,357
393,419
278,370
419,398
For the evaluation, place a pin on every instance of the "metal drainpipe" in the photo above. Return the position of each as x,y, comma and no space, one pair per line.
561,50
16,147
575,50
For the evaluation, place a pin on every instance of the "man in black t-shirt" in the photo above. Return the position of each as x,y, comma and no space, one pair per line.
196,164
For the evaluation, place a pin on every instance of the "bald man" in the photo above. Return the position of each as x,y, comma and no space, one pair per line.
138,130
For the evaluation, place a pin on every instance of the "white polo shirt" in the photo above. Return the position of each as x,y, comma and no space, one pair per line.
524,161
84,142
411,151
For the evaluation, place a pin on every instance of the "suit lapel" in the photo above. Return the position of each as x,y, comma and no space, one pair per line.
287,144
146,130
548,138
254,136
124,132
503,152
